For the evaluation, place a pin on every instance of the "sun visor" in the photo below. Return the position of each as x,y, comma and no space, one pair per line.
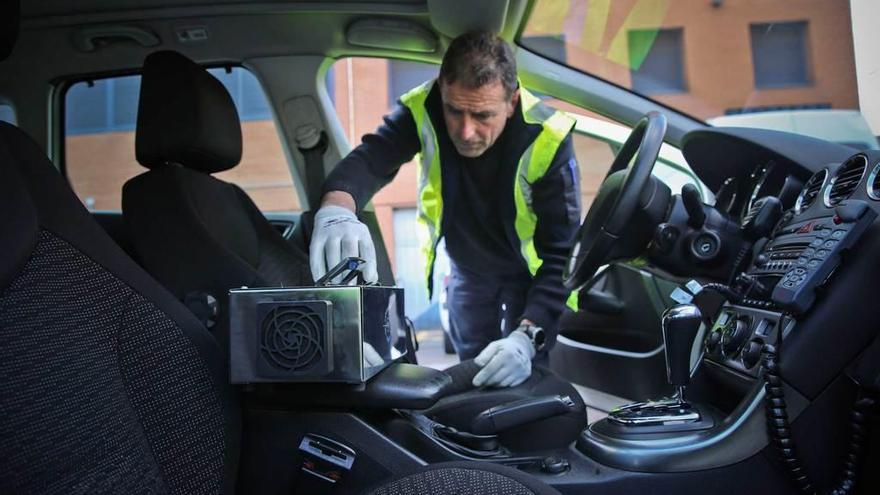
391,34
455,17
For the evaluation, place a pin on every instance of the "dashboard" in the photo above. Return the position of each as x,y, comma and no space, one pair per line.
815,270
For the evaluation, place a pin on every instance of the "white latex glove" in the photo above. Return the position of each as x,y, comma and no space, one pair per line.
338,234
371,357
506,362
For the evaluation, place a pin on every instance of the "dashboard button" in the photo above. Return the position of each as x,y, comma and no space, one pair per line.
788,284
822,233
822,253
830,243
808,252
751,356
838,234
801,261
816,243
813,263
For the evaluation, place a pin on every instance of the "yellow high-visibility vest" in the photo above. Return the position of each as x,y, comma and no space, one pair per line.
533,164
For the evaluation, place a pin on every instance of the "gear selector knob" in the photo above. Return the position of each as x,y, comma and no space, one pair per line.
680,326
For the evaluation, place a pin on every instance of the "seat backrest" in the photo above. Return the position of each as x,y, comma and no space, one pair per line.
109,384
192,231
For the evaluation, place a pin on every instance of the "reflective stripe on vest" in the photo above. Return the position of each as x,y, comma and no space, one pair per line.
533,164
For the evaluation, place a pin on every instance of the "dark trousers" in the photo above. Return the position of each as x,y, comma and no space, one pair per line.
482,309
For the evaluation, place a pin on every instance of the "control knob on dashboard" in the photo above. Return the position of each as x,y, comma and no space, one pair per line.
713,340
751,355
734,335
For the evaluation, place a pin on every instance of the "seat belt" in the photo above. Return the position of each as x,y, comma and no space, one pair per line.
312,143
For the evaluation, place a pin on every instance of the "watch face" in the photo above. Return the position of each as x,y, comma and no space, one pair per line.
538,337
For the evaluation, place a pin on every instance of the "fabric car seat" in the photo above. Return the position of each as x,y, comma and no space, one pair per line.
110,384
464,403
197,234
194,232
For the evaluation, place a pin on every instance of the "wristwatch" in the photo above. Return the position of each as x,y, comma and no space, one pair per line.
535,334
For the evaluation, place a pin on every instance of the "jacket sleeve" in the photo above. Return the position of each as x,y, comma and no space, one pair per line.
556,200
375,162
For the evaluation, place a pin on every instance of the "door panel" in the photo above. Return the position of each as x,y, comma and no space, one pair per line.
614,343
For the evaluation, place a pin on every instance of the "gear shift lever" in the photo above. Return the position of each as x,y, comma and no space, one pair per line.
680,326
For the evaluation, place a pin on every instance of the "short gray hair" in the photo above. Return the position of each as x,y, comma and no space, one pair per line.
479,58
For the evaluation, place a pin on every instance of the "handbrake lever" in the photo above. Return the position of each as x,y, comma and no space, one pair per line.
520,412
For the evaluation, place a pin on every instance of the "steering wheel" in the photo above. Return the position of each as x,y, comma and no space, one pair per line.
617,201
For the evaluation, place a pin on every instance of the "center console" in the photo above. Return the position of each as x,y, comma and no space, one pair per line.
785,279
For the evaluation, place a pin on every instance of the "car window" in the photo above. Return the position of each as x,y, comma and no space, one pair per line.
100,119
597,139
363,90
7,113
789,65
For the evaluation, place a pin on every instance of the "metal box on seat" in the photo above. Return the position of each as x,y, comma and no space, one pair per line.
314,334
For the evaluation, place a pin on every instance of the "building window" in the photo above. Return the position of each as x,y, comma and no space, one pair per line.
7,114
100,121
404,75
656,60
779,54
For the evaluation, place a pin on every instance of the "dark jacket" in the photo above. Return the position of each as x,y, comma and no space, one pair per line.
555,197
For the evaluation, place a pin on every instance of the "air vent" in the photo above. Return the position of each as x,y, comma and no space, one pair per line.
848,177
874,183
293,338
810,191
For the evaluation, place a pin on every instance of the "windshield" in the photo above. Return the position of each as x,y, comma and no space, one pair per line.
804,66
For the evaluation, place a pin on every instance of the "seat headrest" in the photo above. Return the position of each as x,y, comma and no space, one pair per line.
185,116
9,19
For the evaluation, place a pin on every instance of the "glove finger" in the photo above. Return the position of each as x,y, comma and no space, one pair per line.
368,253
348,249
508,380
316,257
491,367
486,354
371,357
519,380
495,374
332,254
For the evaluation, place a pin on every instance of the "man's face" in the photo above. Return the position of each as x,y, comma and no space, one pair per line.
475,117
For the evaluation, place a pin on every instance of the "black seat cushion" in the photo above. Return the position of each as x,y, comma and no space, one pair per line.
197,234
465,478
465,402
109,384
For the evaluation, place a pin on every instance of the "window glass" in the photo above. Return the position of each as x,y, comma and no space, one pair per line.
100,121
7,114
660,69
404,75
596,142
779,54
803,66
363,90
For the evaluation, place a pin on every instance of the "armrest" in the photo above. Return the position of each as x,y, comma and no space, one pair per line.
400,386
520,412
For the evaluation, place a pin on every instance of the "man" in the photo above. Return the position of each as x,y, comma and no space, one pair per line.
497,178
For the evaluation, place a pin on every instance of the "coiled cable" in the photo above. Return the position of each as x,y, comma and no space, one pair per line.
779,428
